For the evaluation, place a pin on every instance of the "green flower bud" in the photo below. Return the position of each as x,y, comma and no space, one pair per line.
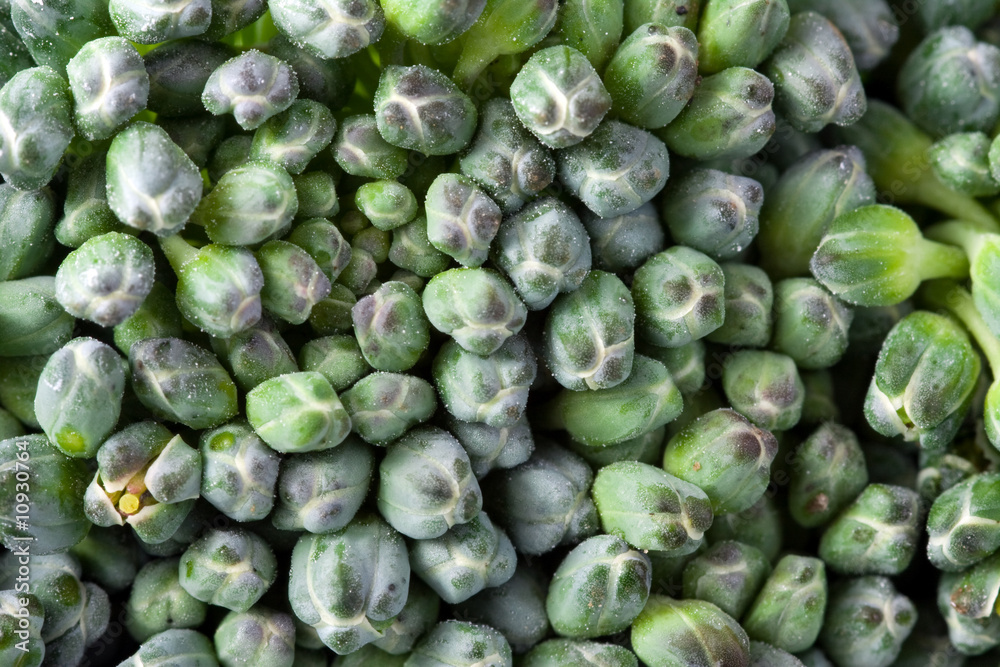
37,108
79,396
675,633
828,472
384,406
297,412
432,22
157,602
293,281
726,456
229,16
337,358
229,568
295,136
594,28
421,109
26,230
156,317
329,30
492,390
765,387
624,242
545,250
961,525
578,653
391,327
646,448
178,71
667,12
465,560
560,511
194,646
810,325
332,315
250,204
962,162
387,204
463,645
426,484
935,13
974,593
321,492
412,250
10,427
939,472
21,619
799,208
713,212
109,84
252,87
317,194
181,382
461,220
33,321
505,159
349,585
53,32
650,508
109,557
815,79
419,615
653,74
19,384
476,307
324,243
749,299
729,116
360,150
159,21
259,636
740,34
950,82
970,636
57,485
788,611
729,575
870,28
106,279
516,608
933,353
559,96
159,200
147,478
197,135
760,527
239,471
489,447
255,354
876,534
598,589
867,622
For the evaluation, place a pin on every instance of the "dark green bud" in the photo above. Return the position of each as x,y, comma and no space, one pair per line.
18,386
562,512
592,27
760,526
332,315
749,299
810,324
729,116
79,396
421,109
229,16
559,96
461,644
252,87
317,195
295,136
194,646
181,382
828,472
788,611
325,243
109,84
197,136
624,242
765,387
970,636
38,110
297,412
178,72
432,22
293,281
869,26
53,32
156,317
461,219
321,492
85,211
412,250
32,320
239,471
419,615
740,34
361,151
650,508
962,527
106,279
578,653
867,621
729,575
676,633
384,406
259,636
387,204
653,74
951,83
815,79
646,448
331,29
545,250
159,21
598,589
506,159
157,602
229,568
516,608
391,327
489,447
158,199
666,12
337,358
255,354
21,619
939,471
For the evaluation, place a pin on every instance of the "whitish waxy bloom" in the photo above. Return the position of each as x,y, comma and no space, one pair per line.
250,204
962,524
147,478
426,484
650,508
333,29
867,621
193,645
252,87
36,112
298,412
391,327
152,184
462,643
109,84
106,279
559,96
350,585
79,396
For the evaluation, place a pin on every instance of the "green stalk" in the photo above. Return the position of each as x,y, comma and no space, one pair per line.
937,260
949,295
178,251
